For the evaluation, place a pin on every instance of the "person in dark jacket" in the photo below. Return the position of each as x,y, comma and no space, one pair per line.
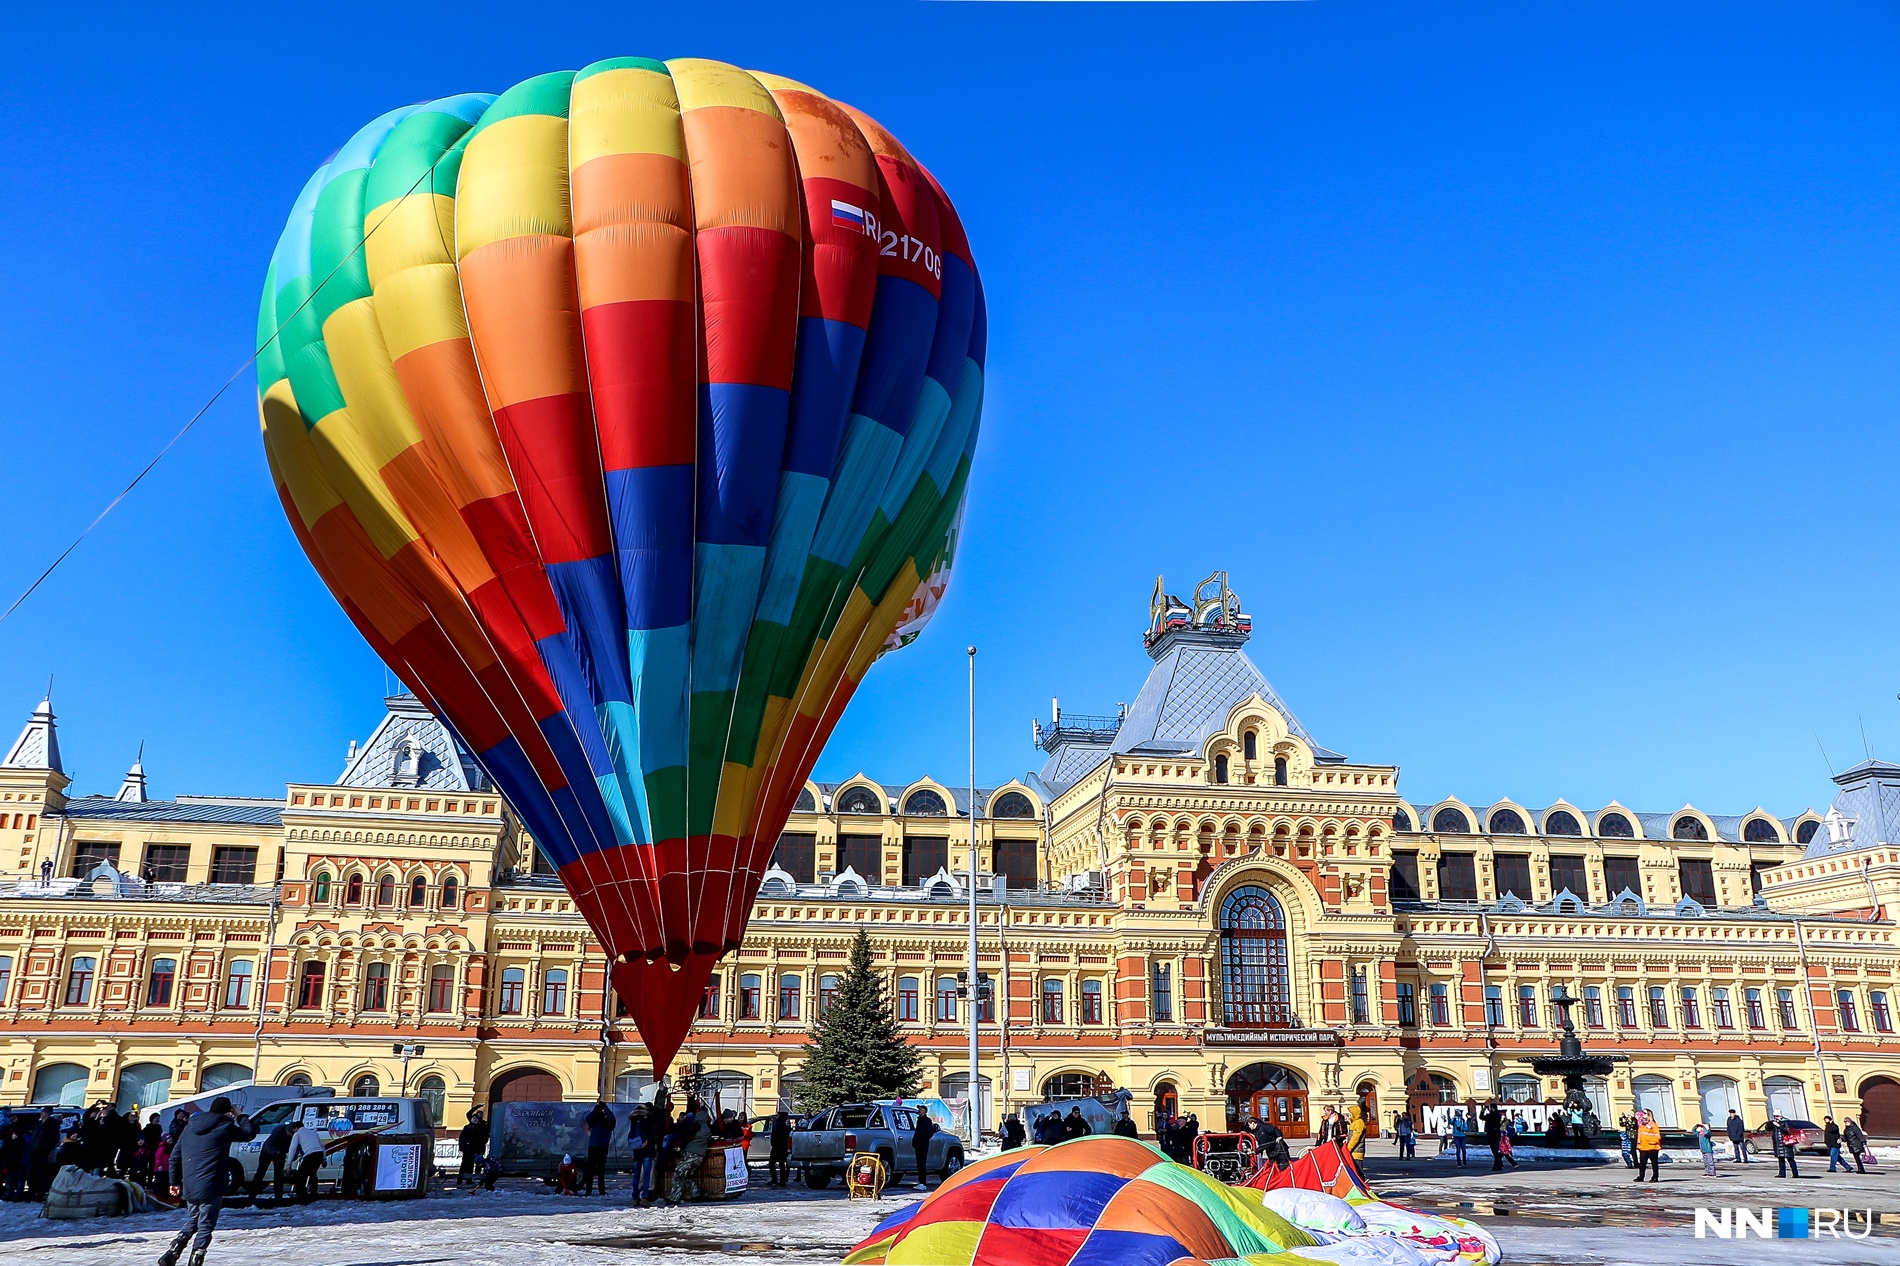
201,1176
271,1157
779,1167
644,1132
1737,1132
1854,1139
473,1141
920,1145
44,1143
600,1136
1013,1135
1831,1139
1781,1138
72,1151
1075,1125
1492,1119
1125,1126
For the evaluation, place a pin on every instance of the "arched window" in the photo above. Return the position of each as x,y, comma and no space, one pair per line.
1449,821
1279,771
418,892
353,890
1562,822
1760,831
860,800
218,1076
1012,804
298,1079
320,889
366,1086
1220,769
1250,745
1068,1086
1254,960
807,803
386,891
436,1092
1507,822
1805,832
1615,826
63,1085
1401,820
376,987
925,804
1688,828
513,981
448,892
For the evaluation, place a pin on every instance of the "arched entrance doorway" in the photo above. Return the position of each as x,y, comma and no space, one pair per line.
1369,1107
1427,1089
1270,1092
1880,1106
1167,1104
525,1085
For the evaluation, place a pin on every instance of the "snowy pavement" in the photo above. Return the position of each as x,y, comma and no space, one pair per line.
1542,1215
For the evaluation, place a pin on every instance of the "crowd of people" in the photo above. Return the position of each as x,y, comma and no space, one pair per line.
100,1140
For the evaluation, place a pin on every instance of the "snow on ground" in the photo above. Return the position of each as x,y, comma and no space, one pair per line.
1542,1215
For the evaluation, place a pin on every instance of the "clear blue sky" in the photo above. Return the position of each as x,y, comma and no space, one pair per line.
1531,368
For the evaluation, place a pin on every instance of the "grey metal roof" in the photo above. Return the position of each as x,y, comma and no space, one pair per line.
38,744
443,763
1197,679
97,808
1864,814
1069,764
960,796
1656,826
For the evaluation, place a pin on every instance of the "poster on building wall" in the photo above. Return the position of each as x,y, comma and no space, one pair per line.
398,1166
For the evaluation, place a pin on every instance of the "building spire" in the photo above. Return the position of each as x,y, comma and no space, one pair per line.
132,790
38,744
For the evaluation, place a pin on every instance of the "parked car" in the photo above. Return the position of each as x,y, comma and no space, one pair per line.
824,1148
1806,1139
383,1113
758,1150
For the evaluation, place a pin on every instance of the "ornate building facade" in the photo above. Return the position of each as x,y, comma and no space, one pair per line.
1192,899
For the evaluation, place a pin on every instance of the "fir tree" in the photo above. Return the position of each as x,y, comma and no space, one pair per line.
857,1053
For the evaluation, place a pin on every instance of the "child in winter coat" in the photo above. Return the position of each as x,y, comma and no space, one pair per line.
1706,1142
568,1177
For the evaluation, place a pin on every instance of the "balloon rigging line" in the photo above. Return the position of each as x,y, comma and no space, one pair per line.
202,410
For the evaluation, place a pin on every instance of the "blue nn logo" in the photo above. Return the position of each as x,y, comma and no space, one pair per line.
1791,1224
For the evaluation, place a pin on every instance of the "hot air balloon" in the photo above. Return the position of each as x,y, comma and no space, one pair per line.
628,414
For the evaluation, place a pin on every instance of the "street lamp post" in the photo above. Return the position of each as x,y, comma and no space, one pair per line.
975,988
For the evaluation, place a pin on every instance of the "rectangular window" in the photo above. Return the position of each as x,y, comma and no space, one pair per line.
1494,1006
1091,1002
1163,992
1441,1005
514,983
1567,874
1691,1011
709,1000
310,987
748,997
441,989
1052,1002
554,993
827,992
1755,870
166,863
797,855
1850,1016
1593,1006
158,990
864,854
1361,1010
1784,1003
1405,877
1698,879
1408,1005
1658,1008
237,986
788,991
907,999
1724,1016
88,855
231,864
986,1000
1527,1006
79,982
1458,877
1513,874
946,1000
1621,873
1883,1018
1752,1000
924,856
1626,1007
6,976
1016,860
376,987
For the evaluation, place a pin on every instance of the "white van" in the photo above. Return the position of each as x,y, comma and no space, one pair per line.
384,1113
246,1096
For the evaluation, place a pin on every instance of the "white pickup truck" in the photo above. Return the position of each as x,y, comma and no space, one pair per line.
825,1146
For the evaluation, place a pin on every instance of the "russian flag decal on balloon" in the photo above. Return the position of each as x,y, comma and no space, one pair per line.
848,216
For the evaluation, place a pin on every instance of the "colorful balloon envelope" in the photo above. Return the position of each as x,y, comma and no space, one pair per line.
628,414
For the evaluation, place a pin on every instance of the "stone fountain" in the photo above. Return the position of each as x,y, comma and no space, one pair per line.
1573,1066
